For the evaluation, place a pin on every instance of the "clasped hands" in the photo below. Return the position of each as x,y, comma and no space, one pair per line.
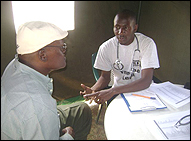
99,96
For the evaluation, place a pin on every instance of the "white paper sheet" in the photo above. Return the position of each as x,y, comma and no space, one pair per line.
137,103
172,94
162,127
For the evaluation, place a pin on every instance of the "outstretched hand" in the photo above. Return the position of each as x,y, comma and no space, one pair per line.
87,90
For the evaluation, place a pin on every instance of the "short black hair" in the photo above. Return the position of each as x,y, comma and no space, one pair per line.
128,13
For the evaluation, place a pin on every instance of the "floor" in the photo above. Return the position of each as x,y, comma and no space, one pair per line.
97,130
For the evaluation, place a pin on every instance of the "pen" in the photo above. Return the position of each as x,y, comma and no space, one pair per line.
144,96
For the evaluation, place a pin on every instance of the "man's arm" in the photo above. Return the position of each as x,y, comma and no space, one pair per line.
103,81
140,84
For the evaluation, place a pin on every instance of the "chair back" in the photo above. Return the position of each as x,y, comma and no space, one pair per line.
96,72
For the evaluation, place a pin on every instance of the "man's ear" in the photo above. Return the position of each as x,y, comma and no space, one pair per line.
136,27
42,55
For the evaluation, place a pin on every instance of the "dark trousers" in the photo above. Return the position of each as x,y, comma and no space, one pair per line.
77,115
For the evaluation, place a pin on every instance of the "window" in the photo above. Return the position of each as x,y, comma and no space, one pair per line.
60,13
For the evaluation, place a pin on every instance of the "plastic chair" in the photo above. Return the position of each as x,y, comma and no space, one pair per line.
96,76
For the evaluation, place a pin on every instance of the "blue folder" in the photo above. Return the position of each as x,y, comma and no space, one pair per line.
149,108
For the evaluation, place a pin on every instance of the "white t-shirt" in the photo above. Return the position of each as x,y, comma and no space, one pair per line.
107,55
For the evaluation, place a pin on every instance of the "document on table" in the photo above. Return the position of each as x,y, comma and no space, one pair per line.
172,94
162,127
137,103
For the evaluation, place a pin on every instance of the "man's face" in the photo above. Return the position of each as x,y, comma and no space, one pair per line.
124,29
56,55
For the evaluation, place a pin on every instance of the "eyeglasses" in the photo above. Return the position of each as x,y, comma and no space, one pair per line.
183,121
64,47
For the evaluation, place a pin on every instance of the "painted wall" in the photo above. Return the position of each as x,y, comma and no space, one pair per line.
168,23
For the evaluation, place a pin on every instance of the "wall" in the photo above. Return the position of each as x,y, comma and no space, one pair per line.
8,42
167,22
93,25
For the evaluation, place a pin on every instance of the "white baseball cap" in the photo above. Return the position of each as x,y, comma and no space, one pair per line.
34,35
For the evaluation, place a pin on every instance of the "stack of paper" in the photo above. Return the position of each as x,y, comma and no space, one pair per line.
171,93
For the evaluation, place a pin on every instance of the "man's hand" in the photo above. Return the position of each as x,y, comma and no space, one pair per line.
87,90
100,96
68,130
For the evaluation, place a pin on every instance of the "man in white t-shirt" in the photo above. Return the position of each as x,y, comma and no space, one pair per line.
131,56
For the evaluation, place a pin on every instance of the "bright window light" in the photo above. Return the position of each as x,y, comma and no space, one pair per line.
60,13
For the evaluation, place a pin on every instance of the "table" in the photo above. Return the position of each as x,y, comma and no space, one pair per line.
121,124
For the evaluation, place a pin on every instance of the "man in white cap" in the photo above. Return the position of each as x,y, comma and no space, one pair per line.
28,110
